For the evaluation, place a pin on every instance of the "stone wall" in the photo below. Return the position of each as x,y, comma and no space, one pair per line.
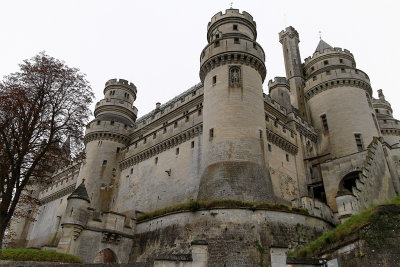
235,237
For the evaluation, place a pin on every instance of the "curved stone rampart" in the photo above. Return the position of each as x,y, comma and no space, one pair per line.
233,236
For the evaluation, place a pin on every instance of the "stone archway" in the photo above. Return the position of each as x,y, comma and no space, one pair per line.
106,256
349,181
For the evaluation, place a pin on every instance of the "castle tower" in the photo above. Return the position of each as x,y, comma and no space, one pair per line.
338,96
279,90
232,71
289,38
105,136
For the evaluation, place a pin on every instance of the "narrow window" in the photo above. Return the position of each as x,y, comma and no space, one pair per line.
156,160
154,135
216,44
165,130
215,79
266,117
98,122
192,144
177,151
287,157
254,45
312,68
261,134
104,162
269,148
199,113
236,40
144,140
211,132
131,170
324,122
175,124
341,60
235,27
326,62
359,143
112,122
187,118
217,35
276,122
376,110
118,149
356,71
135,145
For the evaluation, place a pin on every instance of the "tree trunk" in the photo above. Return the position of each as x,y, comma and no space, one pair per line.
4,219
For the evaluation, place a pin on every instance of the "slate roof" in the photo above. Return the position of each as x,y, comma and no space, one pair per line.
322,45
80,192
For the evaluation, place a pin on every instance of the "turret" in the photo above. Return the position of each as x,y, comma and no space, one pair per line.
338,96
105,136
74,219
279,90
232,71
289,38
388,125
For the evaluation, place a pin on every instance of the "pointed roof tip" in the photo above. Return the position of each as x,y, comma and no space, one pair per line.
80,192
322,45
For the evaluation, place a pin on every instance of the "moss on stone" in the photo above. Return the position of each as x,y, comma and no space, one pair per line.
371,225
37,255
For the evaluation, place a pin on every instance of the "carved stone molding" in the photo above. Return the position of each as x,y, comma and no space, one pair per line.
281,142
162,146
123,139
233,58
63,192
331,84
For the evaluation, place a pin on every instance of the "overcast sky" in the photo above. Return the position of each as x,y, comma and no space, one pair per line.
157,44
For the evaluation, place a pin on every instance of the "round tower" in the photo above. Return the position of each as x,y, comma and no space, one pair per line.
105,136
389,126
232,71
338,96
279,90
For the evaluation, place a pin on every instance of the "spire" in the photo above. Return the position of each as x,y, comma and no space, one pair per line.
80,192
321,46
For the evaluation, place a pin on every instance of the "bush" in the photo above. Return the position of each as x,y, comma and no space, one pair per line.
37,255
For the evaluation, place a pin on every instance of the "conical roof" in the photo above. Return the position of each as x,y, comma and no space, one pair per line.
322,45
80,192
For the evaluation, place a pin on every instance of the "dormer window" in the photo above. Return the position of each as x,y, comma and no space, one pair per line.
217,36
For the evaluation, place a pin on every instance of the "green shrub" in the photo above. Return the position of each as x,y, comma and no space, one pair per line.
224,204
37,255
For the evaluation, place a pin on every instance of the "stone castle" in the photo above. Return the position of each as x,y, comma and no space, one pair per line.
318,140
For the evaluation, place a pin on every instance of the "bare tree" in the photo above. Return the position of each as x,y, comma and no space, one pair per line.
41,106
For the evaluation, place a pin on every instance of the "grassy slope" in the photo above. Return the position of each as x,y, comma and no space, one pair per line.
230,204
37,255
350,226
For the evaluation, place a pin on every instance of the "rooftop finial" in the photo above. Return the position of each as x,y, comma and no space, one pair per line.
231,4
320,35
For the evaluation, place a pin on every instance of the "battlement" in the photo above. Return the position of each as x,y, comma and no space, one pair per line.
328,51
231,13
278,81
121,82
291,31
